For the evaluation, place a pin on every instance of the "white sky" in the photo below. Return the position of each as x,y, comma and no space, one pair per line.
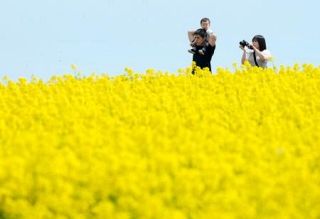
44,37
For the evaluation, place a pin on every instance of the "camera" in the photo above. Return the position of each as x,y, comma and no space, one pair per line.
244,43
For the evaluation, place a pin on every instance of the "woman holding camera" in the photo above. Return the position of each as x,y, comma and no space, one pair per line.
258,55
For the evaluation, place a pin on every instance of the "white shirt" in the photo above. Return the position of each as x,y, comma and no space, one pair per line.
209,32
262,64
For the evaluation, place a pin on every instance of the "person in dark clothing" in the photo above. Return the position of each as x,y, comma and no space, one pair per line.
201,40
205,24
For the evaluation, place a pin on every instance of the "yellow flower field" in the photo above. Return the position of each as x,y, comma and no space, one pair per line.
241,143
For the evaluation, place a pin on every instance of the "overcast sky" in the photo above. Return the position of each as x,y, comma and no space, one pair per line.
44,37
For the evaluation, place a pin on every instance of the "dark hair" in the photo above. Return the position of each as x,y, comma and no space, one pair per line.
205,19
261,40
201,32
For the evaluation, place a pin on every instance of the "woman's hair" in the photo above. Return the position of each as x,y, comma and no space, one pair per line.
261,40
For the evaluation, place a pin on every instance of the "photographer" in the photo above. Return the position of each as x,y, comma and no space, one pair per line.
257,55
201,40
205,23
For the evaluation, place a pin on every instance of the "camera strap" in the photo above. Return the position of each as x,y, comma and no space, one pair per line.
255,58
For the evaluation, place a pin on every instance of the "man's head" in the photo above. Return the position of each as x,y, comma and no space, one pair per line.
200,36
205,23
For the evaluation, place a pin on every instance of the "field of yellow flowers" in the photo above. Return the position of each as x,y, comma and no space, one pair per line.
242,143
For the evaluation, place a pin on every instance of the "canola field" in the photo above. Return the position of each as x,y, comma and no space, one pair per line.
242,143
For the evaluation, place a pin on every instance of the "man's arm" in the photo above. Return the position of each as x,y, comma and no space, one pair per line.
190,35
212,39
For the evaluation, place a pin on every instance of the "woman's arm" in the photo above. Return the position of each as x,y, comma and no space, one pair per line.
263,56
244,55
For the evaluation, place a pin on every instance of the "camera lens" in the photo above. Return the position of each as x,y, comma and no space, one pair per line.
242,43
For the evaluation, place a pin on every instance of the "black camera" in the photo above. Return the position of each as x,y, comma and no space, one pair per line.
244,43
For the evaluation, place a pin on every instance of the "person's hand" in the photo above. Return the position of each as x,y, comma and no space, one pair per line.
242,48
253,47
